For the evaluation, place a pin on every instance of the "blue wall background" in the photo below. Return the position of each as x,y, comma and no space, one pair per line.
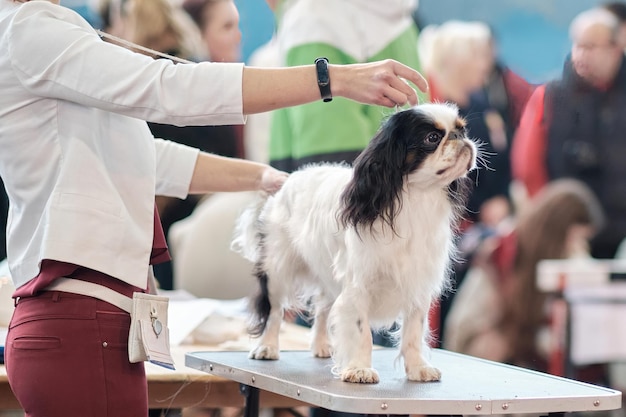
532,34
256,21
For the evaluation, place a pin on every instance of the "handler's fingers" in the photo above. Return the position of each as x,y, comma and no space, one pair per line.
272,180
396,97
387,102
403,92
410,74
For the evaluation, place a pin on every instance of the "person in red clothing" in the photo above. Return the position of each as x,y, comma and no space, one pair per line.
574,127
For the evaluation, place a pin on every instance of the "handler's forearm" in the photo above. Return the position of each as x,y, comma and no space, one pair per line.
382,83
266,89
214,173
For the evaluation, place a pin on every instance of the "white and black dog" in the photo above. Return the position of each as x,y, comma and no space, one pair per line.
368,244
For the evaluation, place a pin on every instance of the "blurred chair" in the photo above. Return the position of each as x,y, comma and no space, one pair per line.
6,290
202,260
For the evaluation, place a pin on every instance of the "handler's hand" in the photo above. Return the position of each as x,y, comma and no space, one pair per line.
382,83
272,179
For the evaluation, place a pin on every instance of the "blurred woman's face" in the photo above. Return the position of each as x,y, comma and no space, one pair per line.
477,67
221,31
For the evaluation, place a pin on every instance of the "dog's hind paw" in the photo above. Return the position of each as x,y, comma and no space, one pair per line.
322,351
424,373
264,352
360,375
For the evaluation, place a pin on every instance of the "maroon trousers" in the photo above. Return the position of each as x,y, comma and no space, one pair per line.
67,355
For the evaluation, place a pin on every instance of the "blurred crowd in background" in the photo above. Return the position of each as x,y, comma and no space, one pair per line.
520,25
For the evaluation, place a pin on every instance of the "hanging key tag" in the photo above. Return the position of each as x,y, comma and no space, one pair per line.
156,324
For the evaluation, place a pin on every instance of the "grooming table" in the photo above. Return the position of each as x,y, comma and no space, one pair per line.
468,386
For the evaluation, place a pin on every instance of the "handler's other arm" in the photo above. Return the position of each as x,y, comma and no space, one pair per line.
213,173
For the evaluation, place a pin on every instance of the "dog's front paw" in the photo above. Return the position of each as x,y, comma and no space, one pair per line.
264,352
423,373
360,375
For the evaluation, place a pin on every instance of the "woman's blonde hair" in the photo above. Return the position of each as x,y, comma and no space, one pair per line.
150,21
450,39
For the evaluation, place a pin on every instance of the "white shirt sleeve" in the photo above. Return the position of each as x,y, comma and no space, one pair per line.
55,53
175,164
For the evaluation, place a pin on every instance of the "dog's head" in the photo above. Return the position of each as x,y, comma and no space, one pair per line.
424,147
435,140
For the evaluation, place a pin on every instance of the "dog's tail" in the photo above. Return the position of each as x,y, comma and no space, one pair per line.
248,230
260,305
248,241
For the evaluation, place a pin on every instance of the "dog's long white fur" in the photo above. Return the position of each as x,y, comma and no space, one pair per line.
357,280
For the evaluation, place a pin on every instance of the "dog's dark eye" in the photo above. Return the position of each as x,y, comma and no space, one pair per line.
433,137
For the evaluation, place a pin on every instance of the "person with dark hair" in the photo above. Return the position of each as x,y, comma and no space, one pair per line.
218,21
618,8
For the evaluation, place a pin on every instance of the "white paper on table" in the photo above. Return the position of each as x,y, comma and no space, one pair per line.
552,274
4,269
3,335
598,333
232,308
185,316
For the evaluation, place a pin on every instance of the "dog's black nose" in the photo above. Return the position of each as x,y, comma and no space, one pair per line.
456,135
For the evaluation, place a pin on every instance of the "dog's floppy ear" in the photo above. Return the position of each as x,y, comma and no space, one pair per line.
379,171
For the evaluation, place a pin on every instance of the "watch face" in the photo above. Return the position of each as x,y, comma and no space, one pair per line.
323,79
322,71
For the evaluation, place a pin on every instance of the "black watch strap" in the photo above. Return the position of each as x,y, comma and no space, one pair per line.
323,79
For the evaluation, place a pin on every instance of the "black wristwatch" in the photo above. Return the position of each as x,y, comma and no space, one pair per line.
323,79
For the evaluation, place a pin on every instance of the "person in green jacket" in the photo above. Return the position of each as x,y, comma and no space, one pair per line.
347,31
